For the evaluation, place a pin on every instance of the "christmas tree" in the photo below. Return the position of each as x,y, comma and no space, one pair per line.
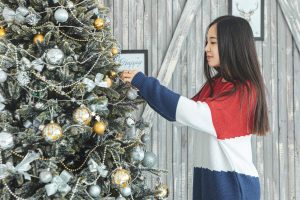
66,130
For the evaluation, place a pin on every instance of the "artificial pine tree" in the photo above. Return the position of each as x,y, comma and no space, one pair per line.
66,130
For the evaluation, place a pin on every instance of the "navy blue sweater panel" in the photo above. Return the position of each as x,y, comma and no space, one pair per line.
160,98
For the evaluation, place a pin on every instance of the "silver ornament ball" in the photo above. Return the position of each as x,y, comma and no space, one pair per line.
126,191
132,94
3,76
120,198
55,56
6,140
146,138
61,15
95,190
45,176
149,159
130,122
137,154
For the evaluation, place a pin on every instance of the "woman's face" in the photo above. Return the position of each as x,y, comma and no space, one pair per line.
211,48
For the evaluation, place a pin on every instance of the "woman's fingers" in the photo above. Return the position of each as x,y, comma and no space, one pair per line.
127,75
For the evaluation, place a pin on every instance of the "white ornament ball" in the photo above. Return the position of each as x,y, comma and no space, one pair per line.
6,140
126,191
3,76
55,56
132,94
95,190
146,138
61,15
45,176
130,122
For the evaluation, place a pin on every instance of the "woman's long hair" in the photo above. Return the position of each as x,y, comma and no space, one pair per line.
239,64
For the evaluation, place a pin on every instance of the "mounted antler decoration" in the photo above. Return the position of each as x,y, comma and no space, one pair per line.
246,14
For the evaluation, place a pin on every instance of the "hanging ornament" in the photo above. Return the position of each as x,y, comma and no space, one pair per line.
99,23
120,198
3,76
38,38
70,5
130,121
55,56
120,177
99,127
39,106
146,138
108,81
45,176
95,191
137,154
22,11
52,132
38,64
132,94
23,78
112,74
161,191
61,15
6,140
2,32
82,115
149,159
33,19
126,191
114,51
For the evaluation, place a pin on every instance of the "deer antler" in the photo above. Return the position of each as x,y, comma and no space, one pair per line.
245,14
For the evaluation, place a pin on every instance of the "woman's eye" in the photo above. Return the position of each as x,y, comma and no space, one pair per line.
213,42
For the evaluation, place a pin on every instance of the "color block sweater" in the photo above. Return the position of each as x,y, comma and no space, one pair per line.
226,170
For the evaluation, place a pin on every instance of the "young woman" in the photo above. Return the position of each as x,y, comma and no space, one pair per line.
230,107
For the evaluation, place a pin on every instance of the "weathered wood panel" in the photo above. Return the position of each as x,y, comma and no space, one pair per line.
150,24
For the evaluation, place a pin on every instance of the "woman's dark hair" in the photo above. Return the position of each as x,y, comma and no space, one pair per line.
239,65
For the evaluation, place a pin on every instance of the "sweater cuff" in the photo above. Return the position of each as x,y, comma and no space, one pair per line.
138,80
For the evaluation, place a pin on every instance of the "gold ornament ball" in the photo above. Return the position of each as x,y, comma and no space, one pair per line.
99,23
108,81
99,127
2,32
38,38
161,191
52,131
120,177
82,115
114,51
112,74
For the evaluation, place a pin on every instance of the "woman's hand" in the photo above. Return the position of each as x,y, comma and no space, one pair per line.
128,75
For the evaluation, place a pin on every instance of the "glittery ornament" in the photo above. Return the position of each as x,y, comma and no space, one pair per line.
3,76
120,177
82,115
39,106
95,191
108,81
55,56
61,15
2,32
99,127
99,23
161,191
149,159
112,74
52,132
132,94
45,176
6,140
126,191
33,19
137,154
38,64
23,78
38,38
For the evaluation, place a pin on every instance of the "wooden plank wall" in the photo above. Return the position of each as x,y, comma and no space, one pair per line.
150,24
